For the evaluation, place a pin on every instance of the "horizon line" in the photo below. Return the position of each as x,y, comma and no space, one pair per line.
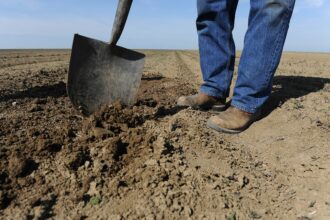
163,49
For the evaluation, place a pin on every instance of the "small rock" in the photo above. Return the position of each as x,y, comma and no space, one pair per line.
14,104
17,164
38,212
231,176
87,163
311,204
35,108
280,139
101,133
243,181
40,101
254,215
151,162
268,174
187,173
92,189
188,211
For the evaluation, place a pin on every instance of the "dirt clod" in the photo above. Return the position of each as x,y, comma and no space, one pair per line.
19,166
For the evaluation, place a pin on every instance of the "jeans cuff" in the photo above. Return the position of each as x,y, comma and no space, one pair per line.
243,107
212,92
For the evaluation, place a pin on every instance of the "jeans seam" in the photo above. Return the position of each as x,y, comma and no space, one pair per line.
229,49
228,61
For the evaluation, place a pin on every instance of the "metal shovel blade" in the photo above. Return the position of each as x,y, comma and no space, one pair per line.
101,73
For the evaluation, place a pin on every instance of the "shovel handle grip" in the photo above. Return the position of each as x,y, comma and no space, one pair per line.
123,9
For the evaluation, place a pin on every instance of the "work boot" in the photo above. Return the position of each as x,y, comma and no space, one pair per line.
232,120
203,102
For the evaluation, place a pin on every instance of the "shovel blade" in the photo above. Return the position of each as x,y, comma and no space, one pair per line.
100,74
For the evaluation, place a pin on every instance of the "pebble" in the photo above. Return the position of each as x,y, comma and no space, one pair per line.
38,212
243,181
40,101
153,185
87,163
101,133
151,162
187,173
93,190
14,104
35,108
188,211
311,204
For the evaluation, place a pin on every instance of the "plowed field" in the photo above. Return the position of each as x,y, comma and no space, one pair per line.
154,160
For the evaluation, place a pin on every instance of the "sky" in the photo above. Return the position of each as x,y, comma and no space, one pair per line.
152,24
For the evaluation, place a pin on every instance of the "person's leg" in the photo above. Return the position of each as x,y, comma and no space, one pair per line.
215,23
268,26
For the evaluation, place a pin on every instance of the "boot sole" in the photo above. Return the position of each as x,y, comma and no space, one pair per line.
219,108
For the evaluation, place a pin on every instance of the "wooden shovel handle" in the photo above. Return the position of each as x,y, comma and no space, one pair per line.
123,9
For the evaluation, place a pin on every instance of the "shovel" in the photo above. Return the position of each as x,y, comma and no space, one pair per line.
101,73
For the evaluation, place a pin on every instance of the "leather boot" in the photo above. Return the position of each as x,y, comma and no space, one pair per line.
203,102
232,120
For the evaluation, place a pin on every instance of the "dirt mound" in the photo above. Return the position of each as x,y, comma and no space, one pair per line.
47,143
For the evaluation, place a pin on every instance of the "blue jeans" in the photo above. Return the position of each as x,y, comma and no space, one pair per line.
263,45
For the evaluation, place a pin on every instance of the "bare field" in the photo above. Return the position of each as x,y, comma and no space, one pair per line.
153,160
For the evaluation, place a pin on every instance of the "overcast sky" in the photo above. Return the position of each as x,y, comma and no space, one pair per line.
156,24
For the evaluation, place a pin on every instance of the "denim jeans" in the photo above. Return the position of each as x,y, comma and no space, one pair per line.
263,45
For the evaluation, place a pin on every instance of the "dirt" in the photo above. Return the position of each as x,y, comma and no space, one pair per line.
154,160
